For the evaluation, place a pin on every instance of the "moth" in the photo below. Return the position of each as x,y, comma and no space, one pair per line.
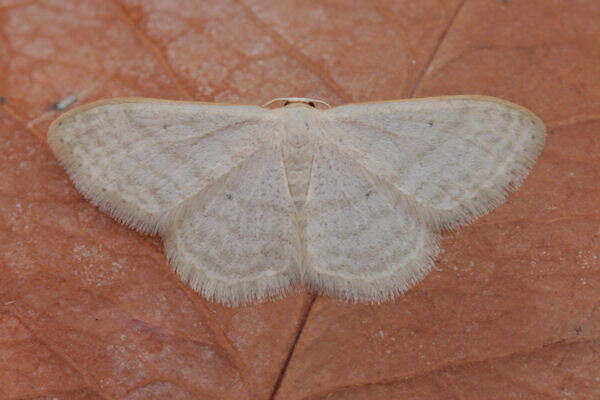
252,200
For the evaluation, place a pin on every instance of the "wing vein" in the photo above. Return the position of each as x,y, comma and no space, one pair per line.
194,139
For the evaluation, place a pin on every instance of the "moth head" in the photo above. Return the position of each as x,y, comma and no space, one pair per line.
309,103
295,101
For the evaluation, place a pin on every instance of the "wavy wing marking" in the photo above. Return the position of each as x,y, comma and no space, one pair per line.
362,241
238,241
139,159
456,156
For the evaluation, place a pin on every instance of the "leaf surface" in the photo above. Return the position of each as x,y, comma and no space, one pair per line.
91,310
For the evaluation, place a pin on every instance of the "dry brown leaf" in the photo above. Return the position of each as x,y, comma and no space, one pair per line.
91,310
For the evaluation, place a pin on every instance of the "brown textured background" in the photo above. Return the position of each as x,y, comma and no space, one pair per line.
91,310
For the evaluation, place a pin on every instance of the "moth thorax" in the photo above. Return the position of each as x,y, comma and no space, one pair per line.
298,150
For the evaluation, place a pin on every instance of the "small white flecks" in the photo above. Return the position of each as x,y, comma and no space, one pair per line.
69,100
118,266
225,185
587,259
66,102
